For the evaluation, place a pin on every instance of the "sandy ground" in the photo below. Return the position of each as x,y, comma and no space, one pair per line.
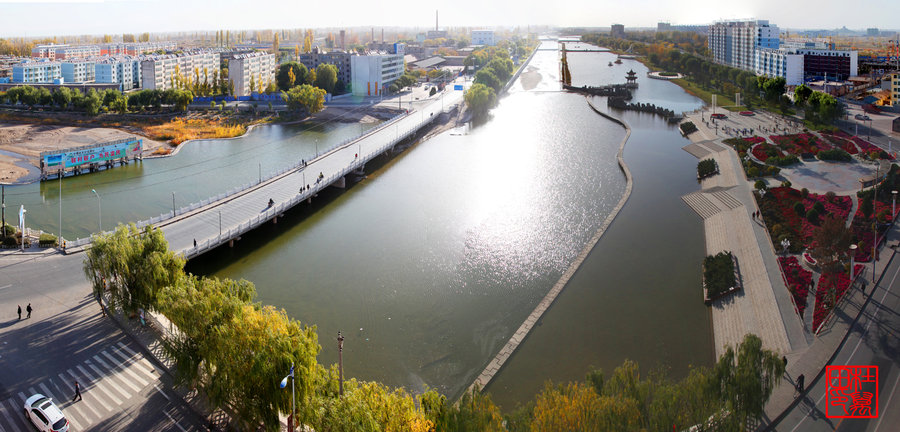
530,78
29,140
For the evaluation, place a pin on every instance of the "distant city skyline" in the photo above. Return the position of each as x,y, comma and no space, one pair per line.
39,18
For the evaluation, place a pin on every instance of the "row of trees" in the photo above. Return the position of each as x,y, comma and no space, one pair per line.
93,101
324,76
494,70
236,351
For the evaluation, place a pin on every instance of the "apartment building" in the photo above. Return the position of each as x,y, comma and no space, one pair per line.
251,68
734,43
483,37
371,74
37,72
125,71
782,63
828,63
159,72
63,52
78,71
136,48
338,58
895,91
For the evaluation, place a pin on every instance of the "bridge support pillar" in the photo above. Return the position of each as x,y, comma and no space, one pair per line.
231,243
340,183
275,220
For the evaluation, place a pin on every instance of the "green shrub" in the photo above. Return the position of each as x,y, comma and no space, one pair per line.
688,128
47,240
812,215
760,185
718,273
8,230
804,192
798,207
706,168
10,241
834,155
819,207
786,183
783,161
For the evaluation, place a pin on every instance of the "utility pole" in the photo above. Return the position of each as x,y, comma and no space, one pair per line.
173,203
340,340
3,209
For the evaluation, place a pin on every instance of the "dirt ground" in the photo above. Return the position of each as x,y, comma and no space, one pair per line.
530,78
29,140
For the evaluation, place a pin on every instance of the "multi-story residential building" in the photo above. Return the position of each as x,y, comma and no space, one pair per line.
125,71
734,43
338,58
895,91
136,48
37,72
617,31
780,63
483,37
78,71
160,72
252,68
371,74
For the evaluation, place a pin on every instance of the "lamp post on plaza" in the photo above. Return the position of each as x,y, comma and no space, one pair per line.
99,211
893,205
340,340
852,256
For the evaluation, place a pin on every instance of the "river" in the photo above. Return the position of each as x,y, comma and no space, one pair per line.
430,264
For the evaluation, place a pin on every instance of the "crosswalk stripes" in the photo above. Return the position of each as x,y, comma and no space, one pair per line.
107,379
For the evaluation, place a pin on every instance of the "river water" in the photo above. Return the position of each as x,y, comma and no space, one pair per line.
432,262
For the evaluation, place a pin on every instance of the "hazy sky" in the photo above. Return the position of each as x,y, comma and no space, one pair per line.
63,17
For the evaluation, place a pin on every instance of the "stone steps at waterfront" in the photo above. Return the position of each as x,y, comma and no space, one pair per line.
700,204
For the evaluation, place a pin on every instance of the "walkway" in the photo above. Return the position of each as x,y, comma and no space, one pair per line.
725,202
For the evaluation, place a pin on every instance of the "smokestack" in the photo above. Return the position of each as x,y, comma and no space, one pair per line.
435,20
382,35
373,34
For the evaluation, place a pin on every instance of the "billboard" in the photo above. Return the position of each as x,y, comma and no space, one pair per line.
127,148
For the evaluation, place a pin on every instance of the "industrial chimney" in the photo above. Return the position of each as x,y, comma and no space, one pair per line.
435,20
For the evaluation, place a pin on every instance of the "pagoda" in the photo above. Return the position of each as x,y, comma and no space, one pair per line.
631,79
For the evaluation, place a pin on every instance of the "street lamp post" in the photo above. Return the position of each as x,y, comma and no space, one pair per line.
852,256
893,205
173,203
59,240
220,223
99,211
283,384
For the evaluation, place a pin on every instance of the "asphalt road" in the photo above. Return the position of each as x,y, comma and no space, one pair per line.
66,340
875,340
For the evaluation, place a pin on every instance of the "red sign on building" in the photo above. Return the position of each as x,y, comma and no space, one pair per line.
851,391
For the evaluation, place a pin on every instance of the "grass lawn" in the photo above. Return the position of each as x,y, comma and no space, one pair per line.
721,100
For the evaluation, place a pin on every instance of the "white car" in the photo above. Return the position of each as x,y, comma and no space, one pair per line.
45,415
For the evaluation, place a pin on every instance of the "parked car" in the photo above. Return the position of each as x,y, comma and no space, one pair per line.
45,415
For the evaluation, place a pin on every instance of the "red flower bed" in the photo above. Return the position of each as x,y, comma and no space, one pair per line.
866,147
747,113
784,200
839,282
755,139
841,142
799,281
800,143
761,151
862,229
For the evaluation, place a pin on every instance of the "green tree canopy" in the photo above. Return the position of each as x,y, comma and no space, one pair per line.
326,77
305,97
131,266
480,98
284,73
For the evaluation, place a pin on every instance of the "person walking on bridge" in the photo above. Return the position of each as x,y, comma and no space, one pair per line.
20,311
28,309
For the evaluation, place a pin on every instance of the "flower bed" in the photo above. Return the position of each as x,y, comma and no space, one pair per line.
841,142
862,229
800,143
799,281
764,151
783,220
838,282
747,113
868,148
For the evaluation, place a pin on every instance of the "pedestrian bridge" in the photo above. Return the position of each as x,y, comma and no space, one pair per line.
205,225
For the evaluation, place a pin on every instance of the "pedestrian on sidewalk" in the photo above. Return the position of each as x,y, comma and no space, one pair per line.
77,392
800,380
20,311
28,309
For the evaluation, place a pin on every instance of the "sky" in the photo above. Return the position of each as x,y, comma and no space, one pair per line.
32,18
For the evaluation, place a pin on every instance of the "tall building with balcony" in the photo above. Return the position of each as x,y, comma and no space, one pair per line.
78,71
252,68
125,71
617,31
372,74
47,72
160,72
483,37
734,43
895,91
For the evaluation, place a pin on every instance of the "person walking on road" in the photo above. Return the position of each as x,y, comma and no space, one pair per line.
77,392
28,309
20,311
800,380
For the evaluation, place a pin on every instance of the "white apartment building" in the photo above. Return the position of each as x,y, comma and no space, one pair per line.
782,63
76,71
483,37
37,72
258,67
158,72
895,90
371,74
734,43
125,71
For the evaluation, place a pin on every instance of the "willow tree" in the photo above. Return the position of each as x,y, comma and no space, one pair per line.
131,267
745,380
